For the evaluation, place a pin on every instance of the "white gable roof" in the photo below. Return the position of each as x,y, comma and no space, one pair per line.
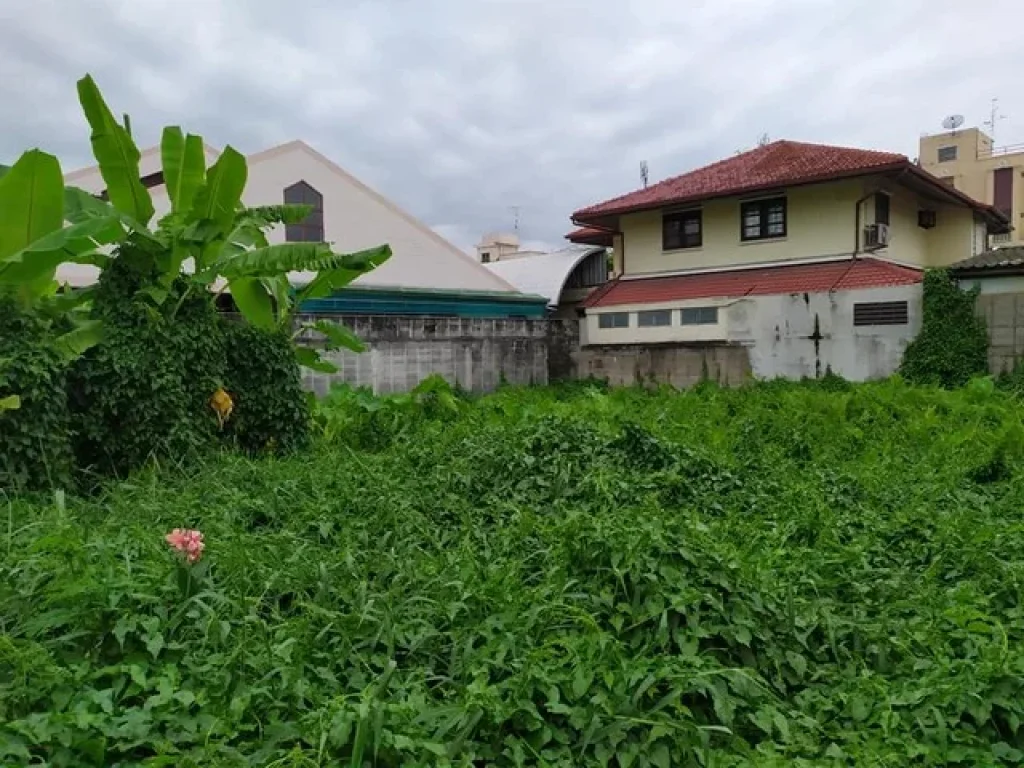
355,218
543,274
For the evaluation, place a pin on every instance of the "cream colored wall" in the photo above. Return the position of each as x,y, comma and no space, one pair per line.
821,220
355,218
593,333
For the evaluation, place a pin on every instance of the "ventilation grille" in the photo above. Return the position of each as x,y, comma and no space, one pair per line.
880,313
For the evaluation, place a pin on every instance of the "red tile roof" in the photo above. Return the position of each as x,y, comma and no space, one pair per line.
842,275
591,236
778,164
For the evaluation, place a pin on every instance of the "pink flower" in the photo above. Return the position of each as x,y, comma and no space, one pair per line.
189,542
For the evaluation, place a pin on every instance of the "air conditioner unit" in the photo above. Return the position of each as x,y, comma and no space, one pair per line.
876,235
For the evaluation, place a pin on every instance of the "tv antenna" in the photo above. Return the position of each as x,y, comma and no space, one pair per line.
953,122
994,118
643,173
515,216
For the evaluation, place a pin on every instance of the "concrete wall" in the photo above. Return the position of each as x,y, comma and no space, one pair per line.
821,219
680,365
477,354
787,335
1001,303
798,335
563,348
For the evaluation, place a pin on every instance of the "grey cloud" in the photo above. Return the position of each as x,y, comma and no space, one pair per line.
459,110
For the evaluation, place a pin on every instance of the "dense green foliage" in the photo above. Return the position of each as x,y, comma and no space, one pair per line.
785,575
35,451
271,410
953,343
143,392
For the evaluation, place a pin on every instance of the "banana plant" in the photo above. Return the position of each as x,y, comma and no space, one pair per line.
44,224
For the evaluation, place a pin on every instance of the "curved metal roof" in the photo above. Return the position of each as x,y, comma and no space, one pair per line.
543,274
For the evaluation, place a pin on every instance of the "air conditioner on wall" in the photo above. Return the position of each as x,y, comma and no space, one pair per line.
876,235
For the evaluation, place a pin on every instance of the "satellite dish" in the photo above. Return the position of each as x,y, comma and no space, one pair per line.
953,122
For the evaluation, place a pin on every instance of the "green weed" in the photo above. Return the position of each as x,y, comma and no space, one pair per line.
783,575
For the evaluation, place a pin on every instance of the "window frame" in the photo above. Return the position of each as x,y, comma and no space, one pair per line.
702,316
611,318
879,196
947,149
763,206
683,216
652,314
311,228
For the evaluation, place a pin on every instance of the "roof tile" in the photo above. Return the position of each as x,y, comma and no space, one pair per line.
842,275
774,165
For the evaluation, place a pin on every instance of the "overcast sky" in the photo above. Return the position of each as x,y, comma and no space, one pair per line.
460,109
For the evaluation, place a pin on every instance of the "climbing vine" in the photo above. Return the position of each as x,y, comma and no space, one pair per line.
952,346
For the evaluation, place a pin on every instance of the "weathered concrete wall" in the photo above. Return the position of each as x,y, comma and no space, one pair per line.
476,354
1004,315
563,348
804,335
681,365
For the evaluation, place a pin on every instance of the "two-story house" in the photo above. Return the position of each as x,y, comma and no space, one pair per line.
788,260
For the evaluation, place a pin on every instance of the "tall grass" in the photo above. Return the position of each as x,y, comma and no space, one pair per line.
781,575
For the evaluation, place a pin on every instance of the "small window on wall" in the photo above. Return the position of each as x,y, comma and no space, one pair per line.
880,313
947,154
655,317
485,258
311,228
699,316
881,208
763,219
681,230
613,320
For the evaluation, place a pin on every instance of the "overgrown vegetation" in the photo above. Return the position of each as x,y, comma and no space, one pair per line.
151,383
783,575
35,450
952,346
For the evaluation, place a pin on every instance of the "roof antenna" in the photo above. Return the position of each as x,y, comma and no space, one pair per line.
644,173
994,117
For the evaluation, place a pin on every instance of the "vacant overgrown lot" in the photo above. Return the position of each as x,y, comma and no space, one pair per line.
780,575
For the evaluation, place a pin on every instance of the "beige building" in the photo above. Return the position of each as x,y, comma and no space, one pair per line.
797,258
968,161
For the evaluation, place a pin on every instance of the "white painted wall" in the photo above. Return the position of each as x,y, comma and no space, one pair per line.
355,218
777,329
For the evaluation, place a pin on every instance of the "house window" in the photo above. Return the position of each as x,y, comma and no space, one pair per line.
763,219
613,320
881,208
880,313
311,228
485,257
654,317
947,154
699,316
681,230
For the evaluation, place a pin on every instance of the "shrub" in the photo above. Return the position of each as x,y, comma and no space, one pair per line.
271,410
35,451
953,343
144,391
